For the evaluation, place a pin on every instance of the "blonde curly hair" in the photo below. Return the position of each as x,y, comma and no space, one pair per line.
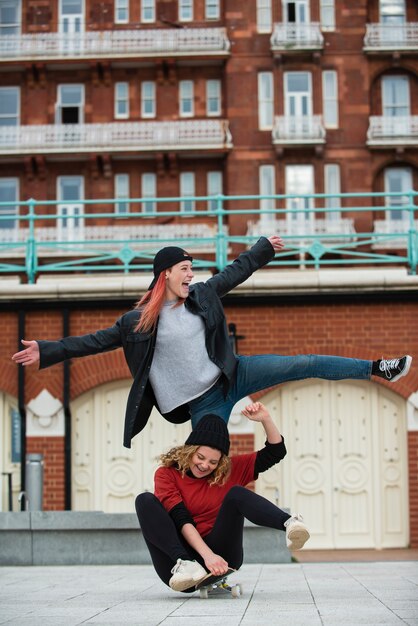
181,457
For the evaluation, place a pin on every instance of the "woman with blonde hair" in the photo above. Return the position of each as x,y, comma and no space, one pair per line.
193,523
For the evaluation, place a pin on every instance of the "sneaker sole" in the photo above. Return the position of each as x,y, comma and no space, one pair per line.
188,584
298,537
404,371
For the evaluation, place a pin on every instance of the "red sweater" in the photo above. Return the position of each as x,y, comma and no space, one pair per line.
200,499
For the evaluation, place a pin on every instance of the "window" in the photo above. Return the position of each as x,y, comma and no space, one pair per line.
212,11
298,94
186,98
327,11
9,192
267,186
187,188
330,98
70,193
395,96
185,10
213,98
9,17
9,106
70,105
71,18
122,191
121,101
149,190
265,100
296,11
121,11
397,179
392,11
147,11
332,184
264,21
299,179
148,107
214,185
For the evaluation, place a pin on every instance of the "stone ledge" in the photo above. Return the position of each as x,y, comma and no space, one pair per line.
97,538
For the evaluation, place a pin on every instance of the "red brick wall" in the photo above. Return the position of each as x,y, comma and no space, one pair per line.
413,487
52,449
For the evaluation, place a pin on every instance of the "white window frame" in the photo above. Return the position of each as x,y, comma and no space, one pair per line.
330,98
332,184
390,18
213,96
327,14
187,188
399,200
71,23
214,187
264,16
121,11
298,95
267,187
212,9
147,11
122,98
148,96
305,175
265,100
72,227
186,94
185,10
148,190
9,182
15,117
59,104
11,28
396,104
302,11
122,192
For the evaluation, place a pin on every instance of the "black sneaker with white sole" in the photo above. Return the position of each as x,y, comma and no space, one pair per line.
393,369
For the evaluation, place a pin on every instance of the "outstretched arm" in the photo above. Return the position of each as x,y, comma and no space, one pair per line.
257,412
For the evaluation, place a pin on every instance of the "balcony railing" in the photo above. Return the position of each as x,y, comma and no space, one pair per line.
298,130
314,236
391,37
162,42
296,37
393,131
116,137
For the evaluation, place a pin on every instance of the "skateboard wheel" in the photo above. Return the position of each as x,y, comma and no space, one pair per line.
236,591
204,593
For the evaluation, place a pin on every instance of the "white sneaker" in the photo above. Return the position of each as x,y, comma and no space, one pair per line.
297,533
186,574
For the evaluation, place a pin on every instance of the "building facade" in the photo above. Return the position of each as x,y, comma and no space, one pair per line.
135,101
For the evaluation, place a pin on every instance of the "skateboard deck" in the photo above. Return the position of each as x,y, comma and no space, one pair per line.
214,582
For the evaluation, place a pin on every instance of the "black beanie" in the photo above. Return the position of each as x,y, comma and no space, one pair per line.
210,431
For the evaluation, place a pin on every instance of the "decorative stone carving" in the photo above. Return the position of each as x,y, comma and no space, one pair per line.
45,416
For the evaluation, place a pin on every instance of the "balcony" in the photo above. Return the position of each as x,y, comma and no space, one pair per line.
334,228
393,233
294,38
190,135
387,132
147,43
298,131
391,38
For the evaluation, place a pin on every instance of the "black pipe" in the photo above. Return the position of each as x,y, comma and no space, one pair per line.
21,404
67,416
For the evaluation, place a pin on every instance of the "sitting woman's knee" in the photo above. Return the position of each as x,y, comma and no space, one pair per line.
143,500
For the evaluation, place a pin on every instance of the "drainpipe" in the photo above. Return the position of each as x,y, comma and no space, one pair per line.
21,404
67,416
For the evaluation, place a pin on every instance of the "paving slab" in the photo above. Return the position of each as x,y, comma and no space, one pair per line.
318,594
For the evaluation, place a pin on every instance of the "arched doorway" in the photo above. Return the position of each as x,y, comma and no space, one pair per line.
346,466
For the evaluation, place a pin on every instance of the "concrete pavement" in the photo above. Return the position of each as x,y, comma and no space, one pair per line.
296,594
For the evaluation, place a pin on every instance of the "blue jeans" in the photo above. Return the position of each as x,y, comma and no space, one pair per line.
255,373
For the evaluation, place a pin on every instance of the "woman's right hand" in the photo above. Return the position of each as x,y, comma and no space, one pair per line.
28,356
216,564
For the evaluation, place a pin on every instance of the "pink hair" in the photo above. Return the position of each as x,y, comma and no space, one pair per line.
150,306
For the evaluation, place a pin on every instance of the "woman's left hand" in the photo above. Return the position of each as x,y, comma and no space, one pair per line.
256,412
216,564
277,242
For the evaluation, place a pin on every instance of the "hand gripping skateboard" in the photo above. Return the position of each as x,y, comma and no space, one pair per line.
212,582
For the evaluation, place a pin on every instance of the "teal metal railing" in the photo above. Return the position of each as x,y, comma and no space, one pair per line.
38,237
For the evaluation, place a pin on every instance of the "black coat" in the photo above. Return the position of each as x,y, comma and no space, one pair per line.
138,347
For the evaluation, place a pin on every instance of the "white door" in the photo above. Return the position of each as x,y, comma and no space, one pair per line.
298,104
105,475
296,11
346,468
71,25
9,451
70,227
398,179
299,181
393,17
396,108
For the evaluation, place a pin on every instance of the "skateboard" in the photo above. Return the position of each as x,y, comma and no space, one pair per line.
213,582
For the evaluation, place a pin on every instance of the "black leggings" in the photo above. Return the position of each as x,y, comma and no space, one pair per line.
166,544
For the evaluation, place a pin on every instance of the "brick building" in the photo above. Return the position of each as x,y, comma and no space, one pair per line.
192,98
